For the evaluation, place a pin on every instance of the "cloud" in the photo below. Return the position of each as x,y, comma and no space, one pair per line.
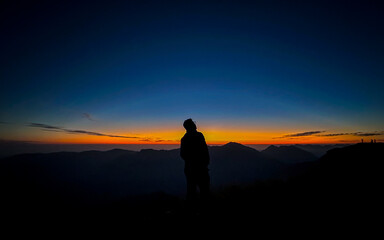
335,134
88,116
47,127
145,140
366,134
41,125
357,134
51,130
157,140
317,134
6,142
301,134
148,139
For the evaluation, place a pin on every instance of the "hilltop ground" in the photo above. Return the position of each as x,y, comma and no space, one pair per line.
343,187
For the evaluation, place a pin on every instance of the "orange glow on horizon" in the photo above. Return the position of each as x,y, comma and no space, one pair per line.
214,135
209,142
212,138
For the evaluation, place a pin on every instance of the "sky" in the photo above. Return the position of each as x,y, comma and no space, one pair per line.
130,72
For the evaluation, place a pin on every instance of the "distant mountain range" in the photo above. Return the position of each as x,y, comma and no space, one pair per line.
11,148
117,173
102,176
319,150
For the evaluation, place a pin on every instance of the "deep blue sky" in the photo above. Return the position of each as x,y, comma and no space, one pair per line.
286,65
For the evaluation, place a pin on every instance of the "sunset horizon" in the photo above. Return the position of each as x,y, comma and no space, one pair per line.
248,72
212,138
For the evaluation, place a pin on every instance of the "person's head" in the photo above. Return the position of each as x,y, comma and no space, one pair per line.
189,125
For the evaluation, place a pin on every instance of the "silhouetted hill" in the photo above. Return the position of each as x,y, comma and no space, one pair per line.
345,179
237,147
288,154
352,165
234,163
340,189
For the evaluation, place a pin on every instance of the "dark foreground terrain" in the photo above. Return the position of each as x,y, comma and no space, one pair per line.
341,190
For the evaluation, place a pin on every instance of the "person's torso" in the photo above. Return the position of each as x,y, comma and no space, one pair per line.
195,150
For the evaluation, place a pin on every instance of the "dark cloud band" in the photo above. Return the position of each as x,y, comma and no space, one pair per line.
66,130
302,134
88,116
317,134
357,134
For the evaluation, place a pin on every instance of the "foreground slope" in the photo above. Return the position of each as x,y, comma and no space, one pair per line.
342,188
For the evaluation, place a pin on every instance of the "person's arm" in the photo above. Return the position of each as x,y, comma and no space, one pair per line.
182,149
205,149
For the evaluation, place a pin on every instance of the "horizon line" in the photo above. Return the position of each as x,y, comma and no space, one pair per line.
178,143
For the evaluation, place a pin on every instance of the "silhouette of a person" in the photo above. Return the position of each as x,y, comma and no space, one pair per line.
194,152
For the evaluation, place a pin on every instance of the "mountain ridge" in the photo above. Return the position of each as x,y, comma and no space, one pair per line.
136,172
288,154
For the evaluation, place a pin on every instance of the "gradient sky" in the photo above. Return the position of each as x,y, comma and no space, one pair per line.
251,72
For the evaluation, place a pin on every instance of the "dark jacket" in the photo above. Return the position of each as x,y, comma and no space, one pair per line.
194,151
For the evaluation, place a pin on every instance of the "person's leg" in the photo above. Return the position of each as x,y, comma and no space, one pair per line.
191,193
204,186
191,188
